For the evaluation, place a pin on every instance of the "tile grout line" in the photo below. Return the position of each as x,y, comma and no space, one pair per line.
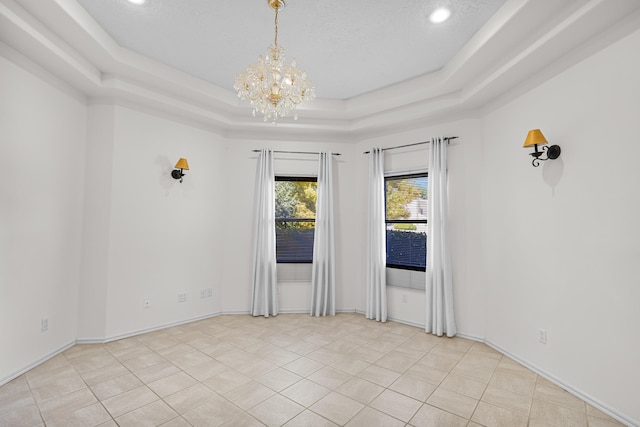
247,336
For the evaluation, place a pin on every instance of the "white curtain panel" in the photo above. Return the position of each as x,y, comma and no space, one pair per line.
376,250
264,291
439,290
324,265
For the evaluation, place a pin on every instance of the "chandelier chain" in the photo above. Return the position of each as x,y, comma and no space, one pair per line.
273,87
275,40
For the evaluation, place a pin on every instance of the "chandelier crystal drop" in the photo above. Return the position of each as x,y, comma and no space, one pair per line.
274,88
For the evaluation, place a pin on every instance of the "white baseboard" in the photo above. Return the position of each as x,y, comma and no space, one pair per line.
294,311
579,394
406,322
307,311
144,331
32,365
471,337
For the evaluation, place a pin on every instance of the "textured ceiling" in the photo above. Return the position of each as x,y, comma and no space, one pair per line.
348,47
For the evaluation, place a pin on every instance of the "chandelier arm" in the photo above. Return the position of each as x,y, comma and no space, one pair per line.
272,87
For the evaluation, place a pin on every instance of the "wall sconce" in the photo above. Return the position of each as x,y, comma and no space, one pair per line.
182,165
535,138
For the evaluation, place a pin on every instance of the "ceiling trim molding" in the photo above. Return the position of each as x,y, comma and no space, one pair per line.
525,38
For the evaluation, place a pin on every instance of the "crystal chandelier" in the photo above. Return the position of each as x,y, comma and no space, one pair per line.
274,88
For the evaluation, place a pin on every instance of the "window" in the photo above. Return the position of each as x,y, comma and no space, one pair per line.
295,218
406,219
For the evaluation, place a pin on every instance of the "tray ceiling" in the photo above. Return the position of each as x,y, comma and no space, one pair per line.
348,48
379,67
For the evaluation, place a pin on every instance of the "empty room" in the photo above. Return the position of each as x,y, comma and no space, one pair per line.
304,213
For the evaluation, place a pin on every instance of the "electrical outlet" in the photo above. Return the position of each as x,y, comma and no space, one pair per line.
542,336
182,297
44,325
405,298
209,292
203,293
147,302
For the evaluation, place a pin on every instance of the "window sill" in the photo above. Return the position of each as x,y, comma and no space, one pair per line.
406,279
294,272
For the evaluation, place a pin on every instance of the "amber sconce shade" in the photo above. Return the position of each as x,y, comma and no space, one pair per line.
183,165
535,138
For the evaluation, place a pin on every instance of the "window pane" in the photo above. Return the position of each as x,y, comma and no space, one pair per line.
407,248
295,200
407,197
406,217
294,241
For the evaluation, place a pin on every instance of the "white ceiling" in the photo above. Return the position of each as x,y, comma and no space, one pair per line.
347,47
379,66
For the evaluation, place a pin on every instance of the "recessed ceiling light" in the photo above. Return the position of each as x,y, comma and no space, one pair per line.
440,15
137,1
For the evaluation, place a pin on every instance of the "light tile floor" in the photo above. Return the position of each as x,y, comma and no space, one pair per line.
291,370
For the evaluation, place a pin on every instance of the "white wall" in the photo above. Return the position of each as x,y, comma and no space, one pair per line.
465,154
42,130
165,237
149,236
92,299
560,242
240,168
553,247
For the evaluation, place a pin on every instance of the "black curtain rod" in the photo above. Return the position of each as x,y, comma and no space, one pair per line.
297,152
446,138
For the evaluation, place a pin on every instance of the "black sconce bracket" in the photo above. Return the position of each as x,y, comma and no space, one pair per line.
553,152
177,174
